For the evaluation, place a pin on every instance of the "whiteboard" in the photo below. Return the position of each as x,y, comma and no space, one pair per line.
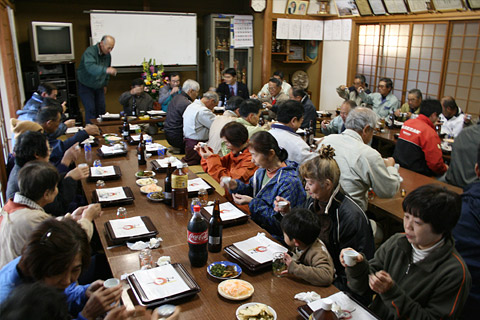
169,38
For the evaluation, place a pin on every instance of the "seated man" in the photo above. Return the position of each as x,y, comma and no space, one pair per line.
49,119
383,102
453,119
274,96
38,187
34,146
285,85
461,171
353,93
231,114
173,124
197,119
290,117
361,166
231,87
417,274
412,106
337,125
418,146
467,239
250,111
136,100
310,112
169,90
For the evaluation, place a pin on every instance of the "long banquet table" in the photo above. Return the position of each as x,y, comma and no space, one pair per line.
171,224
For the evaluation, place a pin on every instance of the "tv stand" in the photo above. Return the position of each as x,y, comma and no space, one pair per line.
63,76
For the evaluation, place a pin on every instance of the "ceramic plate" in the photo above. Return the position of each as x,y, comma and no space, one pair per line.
235,289
251,304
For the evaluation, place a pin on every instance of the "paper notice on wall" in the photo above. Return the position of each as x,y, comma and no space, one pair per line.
243,31
282,28
346,29
328,30
294,28
311,30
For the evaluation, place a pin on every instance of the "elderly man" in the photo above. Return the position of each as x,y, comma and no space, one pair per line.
136,99
310,112
337,125
290,117
383,102
418,146
452,117
197,120
274,96
173,124
231,114
361,166
93,75
285,85
170,90
353,92
231,87
412,106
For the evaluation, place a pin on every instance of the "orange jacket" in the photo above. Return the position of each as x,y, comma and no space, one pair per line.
238,166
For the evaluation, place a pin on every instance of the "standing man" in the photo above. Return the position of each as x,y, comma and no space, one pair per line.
231,87
383,102
93,75
309,110
136,99
197,120
170,90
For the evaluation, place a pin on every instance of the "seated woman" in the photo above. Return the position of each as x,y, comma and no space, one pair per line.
237,164
275,177
21,215
55,254
343,222
417,274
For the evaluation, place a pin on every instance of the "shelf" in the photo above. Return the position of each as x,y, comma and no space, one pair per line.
222,50
279,53
299,61
276,16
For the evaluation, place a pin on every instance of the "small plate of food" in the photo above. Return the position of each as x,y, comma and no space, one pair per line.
156,196
235,289
224,270
145,174
150,188
255,310
146,182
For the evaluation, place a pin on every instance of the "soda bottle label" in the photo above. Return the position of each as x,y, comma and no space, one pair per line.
197,237
179,182
213,240
168,195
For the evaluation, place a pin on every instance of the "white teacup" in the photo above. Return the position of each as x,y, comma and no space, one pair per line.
350,257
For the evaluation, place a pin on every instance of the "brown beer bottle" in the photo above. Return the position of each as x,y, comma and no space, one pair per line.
168,186
141,151
215,229
179,189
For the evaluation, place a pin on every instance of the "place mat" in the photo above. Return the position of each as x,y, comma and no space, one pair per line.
128,199
108,152
156,113
108,175
153,147
132,230
161,165
110,116
176,274
229,214
135,139
196,184
345,300
73,130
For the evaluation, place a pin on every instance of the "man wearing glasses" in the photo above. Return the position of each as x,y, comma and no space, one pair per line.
383,102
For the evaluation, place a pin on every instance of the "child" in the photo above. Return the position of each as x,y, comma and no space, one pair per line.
311,260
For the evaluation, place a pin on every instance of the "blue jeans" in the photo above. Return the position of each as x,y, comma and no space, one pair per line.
93,100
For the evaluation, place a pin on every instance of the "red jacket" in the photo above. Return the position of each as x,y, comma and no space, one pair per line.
418,147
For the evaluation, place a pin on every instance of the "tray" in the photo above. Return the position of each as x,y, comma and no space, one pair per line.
110,235
210,190
111,155
142,298
227,223
245,261
128,200
159,168
117,175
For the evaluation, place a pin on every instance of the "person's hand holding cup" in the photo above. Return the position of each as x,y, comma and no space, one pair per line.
228,183
350,257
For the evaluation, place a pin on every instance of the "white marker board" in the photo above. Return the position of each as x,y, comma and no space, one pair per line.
170,38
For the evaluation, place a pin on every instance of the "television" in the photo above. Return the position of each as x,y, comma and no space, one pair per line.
52,41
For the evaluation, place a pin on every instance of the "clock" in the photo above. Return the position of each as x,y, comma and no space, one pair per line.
258,5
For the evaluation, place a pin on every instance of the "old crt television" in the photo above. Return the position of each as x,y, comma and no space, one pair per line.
52,41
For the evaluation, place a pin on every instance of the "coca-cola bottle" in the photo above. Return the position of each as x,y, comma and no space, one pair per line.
125,129
215,229
197,237
141,150
168,186
179,189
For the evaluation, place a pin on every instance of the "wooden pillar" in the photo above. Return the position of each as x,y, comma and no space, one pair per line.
267,42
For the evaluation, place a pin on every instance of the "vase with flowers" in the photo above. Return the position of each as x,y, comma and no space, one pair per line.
153,77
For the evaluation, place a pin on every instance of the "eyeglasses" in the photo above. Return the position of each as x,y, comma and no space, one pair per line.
382,86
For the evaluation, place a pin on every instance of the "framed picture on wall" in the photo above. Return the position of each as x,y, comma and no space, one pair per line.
296,53
346,8
396,6
418,6
363,7
311,50
474,4
377,7
292,7
448,5
302,7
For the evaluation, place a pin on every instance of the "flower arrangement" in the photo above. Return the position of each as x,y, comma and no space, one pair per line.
153,76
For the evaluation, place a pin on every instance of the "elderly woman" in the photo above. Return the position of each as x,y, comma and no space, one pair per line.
55,254
343,223
276,177
417,274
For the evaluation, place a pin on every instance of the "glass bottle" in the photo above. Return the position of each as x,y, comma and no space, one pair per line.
179,189
215,229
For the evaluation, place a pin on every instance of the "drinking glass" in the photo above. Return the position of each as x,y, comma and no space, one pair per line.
278,264
121,213
203,196
146,259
